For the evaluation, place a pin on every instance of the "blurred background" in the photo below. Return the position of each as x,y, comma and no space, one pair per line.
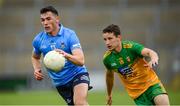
154,23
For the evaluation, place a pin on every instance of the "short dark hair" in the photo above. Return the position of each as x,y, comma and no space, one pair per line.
49,8
112,29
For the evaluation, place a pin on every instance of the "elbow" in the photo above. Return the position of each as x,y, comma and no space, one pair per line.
34,56
81,63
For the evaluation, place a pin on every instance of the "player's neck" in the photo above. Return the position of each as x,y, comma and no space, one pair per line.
118,48
55,31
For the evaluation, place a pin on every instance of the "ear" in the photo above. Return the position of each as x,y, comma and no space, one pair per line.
120,37
57,19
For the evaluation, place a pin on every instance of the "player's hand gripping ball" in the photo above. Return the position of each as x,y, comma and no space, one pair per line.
54,61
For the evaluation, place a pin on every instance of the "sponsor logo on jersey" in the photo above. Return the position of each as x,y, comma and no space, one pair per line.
125,71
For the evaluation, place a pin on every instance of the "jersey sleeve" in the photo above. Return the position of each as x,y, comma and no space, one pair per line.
136,47
36,46
74,41
106,65
105,61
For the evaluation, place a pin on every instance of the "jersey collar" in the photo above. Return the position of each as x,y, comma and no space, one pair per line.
61,30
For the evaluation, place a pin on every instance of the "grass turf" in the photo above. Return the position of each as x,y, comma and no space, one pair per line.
53,98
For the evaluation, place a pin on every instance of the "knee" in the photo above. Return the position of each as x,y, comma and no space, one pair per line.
162,99
80,102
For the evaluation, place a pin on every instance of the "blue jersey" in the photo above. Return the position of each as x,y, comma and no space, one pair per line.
65,40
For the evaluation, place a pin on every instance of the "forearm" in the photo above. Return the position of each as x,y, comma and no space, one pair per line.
37,67
36,63
109,83
75,59
153,55
77,56
150,53
109,87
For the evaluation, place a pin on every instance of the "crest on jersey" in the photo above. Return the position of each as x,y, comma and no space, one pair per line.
62,45
128,59
121,61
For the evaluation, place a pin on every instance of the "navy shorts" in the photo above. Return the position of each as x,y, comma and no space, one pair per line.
66,91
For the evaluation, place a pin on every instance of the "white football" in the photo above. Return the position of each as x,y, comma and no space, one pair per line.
54,61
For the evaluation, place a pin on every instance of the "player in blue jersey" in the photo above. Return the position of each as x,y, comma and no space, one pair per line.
72,82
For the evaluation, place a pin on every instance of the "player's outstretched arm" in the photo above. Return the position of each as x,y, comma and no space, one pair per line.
153,56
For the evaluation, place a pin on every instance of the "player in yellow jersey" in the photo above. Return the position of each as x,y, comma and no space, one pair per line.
137,75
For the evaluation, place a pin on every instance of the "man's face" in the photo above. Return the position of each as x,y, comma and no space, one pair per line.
112,42
49,21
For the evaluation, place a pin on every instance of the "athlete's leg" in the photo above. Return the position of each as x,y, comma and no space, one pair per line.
80,89
80,94
162,99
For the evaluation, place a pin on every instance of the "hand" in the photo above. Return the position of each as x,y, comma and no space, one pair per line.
109,101
38,75
153,56
61,52
153,63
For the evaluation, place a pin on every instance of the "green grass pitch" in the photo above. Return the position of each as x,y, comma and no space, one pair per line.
53,98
